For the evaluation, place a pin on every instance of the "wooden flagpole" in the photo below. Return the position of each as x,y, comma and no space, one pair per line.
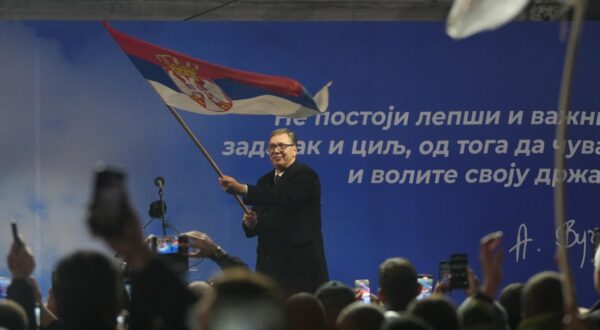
208,157
559,157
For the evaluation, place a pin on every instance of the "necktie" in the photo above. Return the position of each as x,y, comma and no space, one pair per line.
277,178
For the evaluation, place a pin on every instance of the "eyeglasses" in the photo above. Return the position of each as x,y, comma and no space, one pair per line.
279,146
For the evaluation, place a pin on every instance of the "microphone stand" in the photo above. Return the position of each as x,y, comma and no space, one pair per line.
163,212
163,218
179,261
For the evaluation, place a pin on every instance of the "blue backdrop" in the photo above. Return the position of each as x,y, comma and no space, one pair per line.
69,97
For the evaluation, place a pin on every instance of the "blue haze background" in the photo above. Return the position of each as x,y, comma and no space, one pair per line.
70,97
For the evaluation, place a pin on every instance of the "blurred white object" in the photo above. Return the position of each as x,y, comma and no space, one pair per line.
468,17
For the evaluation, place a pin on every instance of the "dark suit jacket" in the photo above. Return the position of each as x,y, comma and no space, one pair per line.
290,243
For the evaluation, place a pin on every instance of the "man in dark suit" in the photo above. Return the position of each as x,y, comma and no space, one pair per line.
286,217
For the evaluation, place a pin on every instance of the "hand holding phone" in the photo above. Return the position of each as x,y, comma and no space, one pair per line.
453,273
111,218
167,245
444,273
490,257
110,215
173,250
199,245
363,291
459,276
20,259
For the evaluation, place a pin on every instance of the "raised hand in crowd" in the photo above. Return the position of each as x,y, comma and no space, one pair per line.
130,245
574,321
159,299
20,261
473,281
111,218
203,246
21,265
491,257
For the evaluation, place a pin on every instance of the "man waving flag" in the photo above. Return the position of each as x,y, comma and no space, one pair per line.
194,85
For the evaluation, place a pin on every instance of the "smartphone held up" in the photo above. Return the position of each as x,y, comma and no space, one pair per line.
109,209
453,273
362,290
169,245
426,282
172,250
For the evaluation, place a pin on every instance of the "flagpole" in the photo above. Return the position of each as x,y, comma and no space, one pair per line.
208,157
559,158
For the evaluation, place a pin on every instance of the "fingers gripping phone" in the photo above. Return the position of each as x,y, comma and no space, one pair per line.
444,275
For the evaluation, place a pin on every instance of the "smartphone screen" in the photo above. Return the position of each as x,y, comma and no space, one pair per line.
171,250
167,245
426,282
4,283
363,290
459,278
109,209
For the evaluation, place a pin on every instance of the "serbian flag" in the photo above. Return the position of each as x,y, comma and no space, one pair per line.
194,85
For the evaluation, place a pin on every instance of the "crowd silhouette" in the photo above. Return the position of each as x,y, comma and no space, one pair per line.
89,291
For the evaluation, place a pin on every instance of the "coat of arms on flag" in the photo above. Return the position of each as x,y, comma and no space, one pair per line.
189,81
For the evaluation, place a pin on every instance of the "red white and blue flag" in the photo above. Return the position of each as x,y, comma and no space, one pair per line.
194,85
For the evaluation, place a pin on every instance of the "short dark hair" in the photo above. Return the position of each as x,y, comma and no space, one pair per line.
305,311
358,316
88,291
510,299
543,294
240,283
245,297
438,311
406,322
398,282
335,296
480,313
289,133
